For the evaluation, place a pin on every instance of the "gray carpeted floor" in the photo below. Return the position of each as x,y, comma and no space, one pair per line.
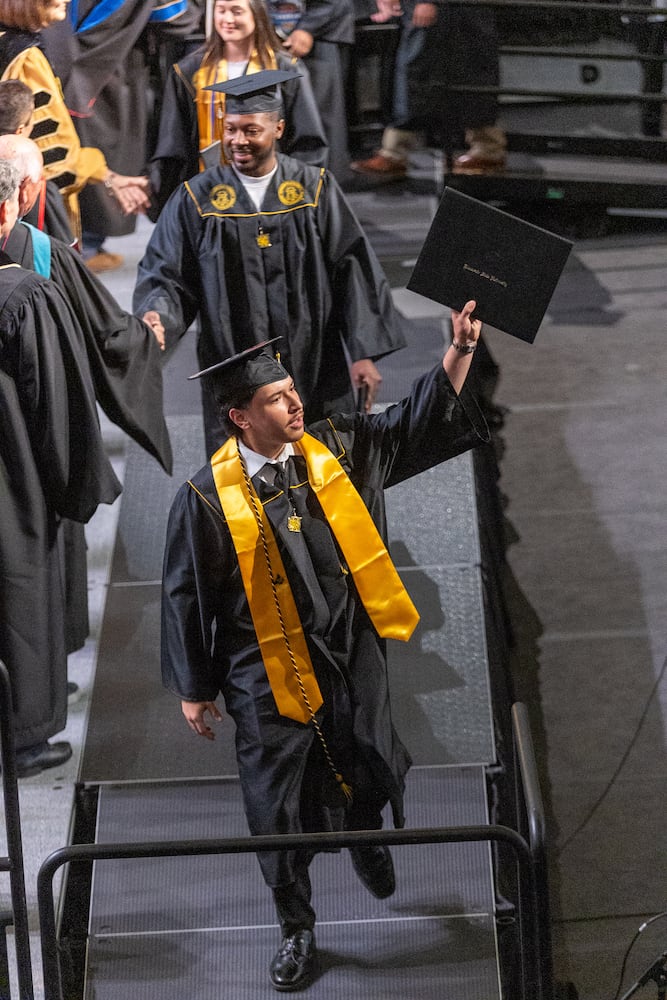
187,926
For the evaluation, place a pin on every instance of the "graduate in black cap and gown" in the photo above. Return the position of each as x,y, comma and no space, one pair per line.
268,246
279,593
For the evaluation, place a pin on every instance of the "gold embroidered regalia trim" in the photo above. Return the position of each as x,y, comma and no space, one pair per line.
186,81
205,500
291,193
206,213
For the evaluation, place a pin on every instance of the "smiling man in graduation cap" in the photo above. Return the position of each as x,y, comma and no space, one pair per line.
279,593
267,246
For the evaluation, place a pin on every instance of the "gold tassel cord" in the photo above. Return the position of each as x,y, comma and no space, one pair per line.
344,786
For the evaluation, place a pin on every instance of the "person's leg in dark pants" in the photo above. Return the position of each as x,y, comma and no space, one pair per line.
294,963
373,863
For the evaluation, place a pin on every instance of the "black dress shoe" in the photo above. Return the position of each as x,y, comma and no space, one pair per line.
294,963
375,869
36,759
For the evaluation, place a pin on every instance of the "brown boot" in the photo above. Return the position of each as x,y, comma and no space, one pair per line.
390,163
382,167
104,261
487,152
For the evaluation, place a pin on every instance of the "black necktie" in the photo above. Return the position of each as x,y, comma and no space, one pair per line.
310,543
274,474
280,475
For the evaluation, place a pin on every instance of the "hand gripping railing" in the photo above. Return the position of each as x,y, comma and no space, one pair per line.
13,862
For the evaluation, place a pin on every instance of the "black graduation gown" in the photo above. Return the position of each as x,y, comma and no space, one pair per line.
176,156
122,352
209,644
52,465
319,285
124,361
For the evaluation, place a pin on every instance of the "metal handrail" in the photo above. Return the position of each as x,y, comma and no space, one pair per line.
282,842
530,797
530,784
13,861
571,5
599,97
537,51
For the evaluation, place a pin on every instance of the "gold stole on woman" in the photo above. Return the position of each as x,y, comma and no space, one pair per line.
272,606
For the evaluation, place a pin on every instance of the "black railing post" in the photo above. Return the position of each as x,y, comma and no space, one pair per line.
13,862
533,811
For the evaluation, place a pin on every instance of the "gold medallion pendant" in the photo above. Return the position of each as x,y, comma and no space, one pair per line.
263,239
294,522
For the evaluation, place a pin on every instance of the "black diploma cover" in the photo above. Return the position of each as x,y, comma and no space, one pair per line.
508,266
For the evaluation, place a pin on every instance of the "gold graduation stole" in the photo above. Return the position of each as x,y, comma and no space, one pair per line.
378,584
272,606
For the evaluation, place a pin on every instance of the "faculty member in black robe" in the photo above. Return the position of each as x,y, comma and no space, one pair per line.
52,466
279,593
296,264
122,352
53,469
68,163
17,109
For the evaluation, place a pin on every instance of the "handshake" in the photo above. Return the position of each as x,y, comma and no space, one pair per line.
133,194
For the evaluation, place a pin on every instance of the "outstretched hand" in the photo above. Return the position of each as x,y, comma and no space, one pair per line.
386,9
299,43
152,319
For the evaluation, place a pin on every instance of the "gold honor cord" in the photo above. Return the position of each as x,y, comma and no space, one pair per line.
383,595
272,606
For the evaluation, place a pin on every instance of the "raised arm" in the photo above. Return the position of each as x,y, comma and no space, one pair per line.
458,358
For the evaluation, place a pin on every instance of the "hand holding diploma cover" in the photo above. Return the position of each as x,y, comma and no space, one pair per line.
508,266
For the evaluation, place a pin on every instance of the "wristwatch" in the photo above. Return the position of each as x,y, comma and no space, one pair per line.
464,348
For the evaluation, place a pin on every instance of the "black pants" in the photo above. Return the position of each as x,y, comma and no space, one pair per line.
292,901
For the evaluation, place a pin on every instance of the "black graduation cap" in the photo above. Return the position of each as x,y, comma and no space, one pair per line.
239,376
253,93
